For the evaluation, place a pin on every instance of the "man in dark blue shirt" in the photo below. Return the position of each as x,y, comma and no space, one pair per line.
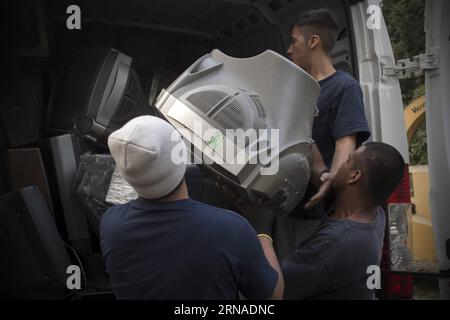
339,124
166,246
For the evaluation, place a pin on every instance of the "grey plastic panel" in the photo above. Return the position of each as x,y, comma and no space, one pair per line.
114,88
262,92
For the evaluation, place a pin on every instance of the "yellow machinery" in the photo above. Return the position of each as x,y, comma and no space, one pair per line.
422,233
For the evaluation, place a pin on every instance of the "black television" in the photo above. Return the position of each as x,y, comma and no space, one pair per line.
97,91
33,258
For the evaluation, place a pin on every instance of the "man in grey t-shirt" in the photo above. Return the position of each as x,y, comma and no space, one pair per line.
333,262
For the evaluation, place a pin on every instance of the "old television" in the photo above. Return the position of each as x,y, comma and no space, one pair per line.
96,92
34,260
248,121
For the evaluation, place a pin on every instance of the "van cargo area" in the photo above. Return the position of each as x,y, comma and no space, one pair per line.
65,87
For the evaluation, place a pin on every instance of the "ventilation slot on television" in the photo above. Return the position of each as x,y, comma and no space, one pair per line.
206,100
126,107
231,117
259,107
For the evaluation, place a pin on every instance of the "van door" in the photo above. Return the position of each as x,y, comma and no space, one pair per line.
437,95
384,112
382,95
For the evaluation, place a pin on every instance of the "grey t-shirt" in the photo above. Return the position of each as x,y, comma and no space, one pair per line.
333,262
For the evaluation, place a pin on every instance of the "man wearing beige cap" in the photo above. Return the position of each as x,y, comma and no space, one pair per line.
164,245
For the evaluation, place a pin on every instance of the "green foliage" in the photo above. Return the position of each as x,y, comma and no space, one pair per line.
418,147
418,91
405,23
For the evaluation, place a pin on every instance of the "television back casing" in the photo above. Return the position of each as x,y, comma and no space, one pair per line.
265,92
34,260
97,92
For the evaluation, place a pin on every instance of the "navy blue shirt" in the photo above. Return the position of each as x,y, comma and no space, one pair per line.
183,250
333,262
339,113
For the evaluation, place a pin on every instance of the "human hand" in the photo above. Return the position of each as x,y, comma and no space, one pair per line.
326,180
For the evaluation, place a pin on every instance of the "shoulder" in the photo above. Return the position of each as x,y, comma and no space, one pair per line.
219,214
113,216
346,80
227,225
344,236
112,211
341,85
327,235
380,219
111,225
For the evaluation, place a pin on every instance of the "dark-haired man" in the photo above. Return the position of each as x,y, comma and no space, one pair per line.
339,124
333,262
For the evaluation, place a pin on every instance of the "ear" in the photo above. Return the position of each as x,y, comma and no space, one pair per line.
354,176
313,41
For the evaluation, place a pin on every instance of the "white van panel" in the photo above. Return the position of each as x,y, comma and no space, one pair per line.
437,95
382,97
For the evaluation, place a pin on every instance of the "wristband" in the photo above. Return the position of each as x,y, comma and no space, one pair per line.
263,235
326,170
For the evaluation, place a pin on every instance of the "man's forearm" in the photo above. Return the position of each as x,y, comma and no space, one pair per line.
344,146
269,252
318,166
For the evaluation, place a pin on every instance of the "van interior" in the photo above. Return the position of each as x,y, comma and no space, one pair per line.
47,67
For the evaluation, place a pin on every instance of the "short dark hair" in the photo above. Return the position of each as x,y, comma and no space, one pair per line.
382,166
321,22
